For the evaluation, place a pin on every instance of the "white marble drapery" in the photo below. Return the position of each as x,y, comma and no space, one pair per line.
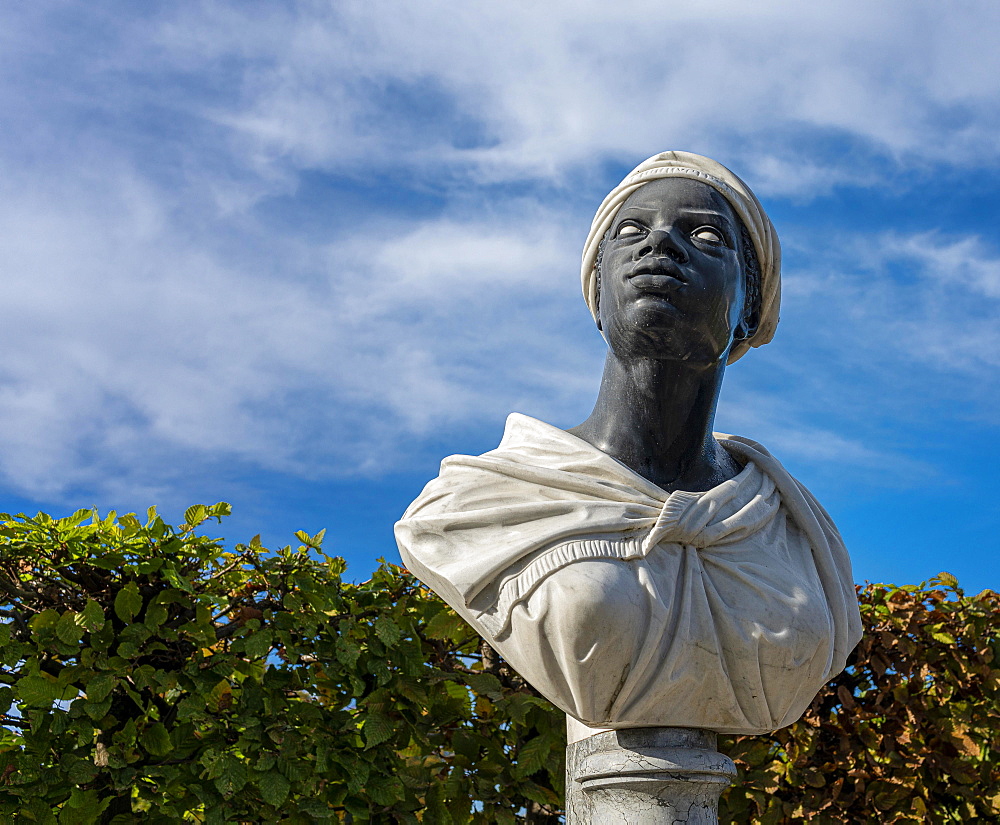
628,606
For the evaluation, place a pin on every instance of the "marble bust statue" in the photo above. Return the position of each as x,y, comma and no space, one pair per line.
641,570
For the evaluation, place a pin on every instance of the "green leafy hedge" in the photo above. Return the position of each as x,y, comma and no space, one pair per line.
148,670
150,674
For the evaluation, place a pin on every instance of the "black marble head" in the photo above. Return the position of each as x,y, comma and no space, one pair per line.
678,277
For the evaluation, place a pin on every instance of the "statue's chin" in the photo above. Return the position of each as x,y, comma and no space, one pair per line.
659,330
669,346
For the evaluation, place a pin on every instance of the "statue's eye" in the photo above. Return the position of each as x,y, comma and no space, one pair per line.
708,235
629,230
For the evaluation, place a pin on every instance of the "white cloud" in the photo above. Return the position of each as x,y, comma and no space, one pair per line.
965,263
157,321
547,93
129,343
927,299
889,342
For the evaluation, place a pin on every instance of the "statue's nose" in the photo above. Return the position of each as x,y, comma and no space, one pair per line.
661,242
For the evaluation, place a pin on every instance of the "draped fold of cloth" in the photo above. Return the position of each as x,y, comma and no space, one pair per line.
629,606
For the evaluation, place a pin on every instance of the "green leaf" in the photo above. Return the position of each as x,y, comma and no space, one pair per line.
536,793
385,790
89,805
149,566
274,788
97,710
504,816
219,697
377,728
387,630
467,743
195,515
79,516
257,644
100,686
177,580
46,620
110,561
347,652
532,756
128,602
232,775
457,691
38,690
947,579
101,639
156,740
6,699
446,625
485,684
93,616
156,615
221,508
266,761
130,524
81,771
68,628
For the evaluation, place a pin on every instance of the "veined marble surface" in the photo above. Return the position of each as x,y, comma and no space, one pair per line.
628,606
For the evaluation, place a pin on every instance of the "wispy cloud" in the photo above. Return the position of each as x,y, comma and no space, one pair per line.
504,92
887,344
128,340
926,299
159,317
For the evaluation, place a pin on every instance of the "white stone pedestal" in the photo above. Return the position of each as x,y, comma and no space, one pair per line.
645,776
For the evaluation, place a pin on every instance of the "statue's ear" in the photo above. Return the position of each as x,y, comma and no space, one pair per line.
597,279
748,324
749,321
597,293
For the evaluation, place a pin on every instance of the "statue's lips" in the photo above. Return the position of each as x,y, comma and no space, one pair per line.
657,280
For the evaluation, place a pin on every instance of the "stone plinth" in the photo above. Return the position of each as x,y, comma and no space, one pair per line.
646,776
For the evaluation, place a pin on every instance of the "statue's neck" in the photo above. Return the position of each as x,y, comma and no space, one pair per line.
656,418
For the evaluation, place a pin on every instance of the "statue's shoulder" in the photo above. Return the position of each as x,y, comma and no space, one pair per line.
470,482
796,497
526,442
534,462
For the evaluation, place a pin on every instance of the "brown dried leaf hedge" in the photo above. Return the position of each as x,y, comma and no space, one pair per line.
910,732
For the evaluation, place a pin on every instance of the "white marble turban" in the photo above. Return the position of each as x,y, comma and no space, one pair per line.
739,196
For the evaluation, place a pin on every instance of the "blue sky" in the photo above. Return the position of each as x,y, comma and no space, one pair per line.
290,255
